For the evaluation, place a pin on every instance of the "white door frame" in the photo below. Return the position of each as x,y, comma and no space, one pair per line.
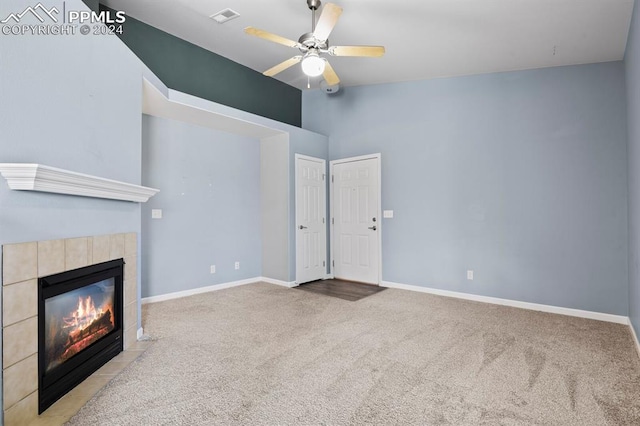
323,195
377,156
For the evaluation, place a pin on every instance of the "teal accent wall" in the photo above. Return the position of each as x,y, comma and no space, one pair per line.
92,4
191,69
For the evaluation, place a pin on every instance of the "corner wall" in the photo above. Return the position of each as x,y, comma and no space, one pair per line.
519,176
277,142
632,68
71,102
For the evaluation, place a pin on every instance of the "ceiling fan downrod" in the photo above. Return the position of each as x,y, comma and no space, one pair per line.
313,5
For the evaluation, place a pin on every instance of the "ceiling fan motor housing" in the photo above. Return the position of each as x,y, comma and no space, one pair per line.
313,4
308,41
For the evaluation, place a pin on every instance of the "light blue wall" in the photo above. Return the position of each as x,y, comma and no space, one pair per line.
63,115
274,204
518,176
210,199
299,141
632,67
71,102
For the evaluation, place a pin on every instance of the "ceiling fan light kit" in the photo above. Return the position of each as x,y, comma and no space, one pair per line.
315,43
312,64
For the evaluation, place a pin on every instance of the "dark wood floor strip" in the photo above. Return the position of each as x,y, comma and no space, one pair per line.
346,290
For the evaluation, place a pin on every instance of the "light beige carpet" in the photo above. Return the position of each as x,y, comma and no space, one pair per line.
263,354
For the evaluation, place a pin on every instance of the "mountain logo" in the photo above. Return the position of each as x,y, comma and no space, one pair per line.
39,11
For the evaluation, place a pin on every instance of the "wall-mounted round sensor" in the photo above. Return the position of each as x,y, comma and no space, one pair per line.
329,90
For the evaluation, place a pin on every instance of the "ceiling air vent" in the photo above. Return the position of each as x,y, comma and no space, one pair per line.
224,16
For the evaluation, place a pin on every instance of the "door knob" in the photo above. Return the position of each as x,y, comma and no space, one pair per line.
373,228
303,227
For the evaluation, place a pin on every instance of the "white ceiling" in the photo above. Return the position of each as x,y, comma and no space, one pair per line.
423,38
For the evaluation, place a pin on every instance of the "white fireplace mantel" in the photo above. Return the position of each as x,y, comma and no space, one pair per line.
38,177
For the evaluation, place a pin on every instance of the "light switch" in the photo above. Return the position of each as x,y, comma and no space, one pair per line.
387,214
156,213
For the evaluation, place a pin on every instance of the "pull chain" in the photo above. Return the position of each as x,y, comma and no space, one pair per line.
308,82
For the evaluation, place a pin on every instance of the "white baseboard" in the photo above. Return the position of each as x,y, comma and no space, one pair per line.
288,284
140,333
635,336
619,319
185,293
328,277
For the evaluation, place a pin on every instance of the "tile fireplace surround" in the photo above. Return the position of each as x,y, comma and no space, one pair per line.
22,264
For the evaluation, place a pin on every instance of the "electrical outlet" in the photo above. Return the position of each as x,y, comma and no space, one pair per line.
213,269
237,265
470,275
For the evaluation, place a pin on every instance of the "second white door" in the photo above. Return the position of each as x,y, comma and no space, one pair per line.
356,225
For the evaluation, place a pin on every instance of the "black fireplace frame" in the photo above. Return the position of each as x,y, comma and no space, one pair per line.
54,384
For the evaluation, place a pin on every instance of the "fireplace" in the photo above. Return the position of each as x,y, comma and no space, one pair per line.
80,326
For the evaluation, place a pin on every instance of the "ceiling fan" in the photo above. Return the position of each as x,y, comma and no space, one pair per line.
315,44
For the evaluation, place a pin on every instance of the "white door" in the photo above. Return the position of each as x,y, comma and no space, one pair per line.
356,220
311,228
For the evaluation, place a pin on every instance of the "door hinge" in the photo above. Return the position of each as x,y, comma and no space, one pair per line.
323,175
333,222
323,220
331,178
333,263
323,263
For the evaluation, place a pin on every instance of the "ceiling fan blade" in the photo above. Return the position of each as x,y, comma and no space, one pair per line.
270,36
371,51
282,66
330,75
328,20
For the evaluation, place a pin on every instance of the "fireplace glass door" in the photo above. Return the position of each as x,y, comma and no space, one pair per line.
75,320
79,326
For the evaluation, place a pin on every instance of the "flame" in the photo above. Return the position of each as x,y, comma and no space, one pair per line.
84,314
82,326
